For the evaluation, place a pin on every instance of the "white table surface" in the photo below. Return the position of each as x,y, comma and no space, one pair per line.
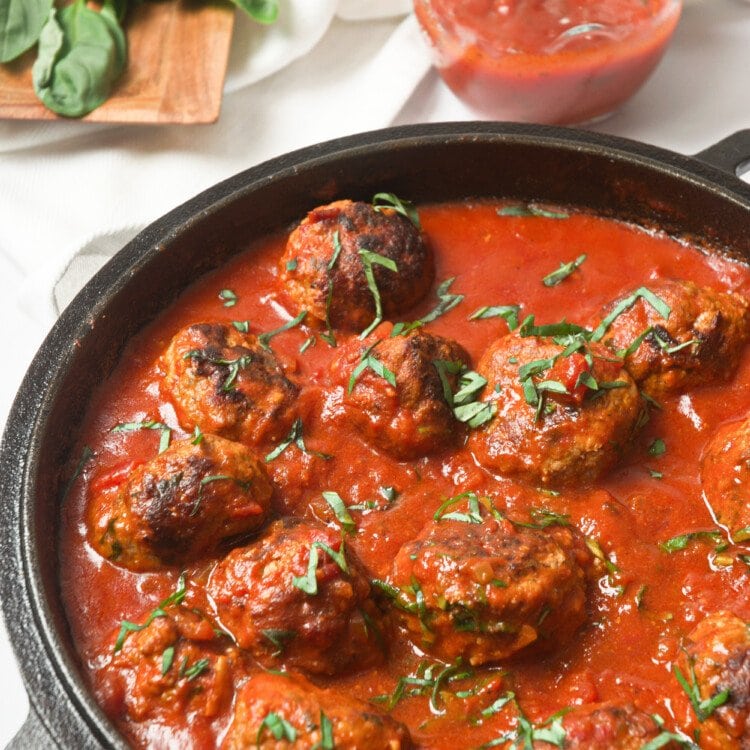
699,94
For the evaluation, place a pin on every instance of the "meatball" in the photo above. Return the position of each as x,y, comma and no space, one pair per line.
700,341
608,726
324,270
182,504
302,713
726,475
486,591
176,665
411,418
225,382
553,437
718,653
286,598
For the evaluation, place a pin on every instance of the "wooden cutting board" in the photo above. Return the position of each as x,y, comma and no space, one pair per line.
178,53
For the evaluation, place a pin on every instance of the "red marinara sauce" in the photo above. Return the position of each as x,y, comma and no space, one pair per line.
643,599
539,61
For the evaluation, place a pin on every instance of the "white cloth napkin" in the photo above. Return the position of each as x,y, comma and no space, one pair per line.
99,184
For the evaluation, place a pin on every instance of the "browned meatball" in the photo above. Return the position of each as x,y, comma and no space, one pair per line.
323,624
411,418
182,504
700,341
225,382
718,650
485,591
726,475
608,726
303,714
562,438
324,272
174,666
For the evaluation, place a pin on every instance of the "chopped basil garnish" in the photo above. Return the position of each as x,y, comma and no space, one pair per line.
86,455
666,738
657,447
447,301
195,670
309,582
329,336
244,485
340,511
368,259
173,599
167,658
473,515
326,741
647,295
148,424
279,638
264,339
371,362
401,206
703,708
278,726
681,542
291,265
509,313
565,270
294,437
635,344
243,326
639,595
530,209
234,365
229,297
310,341
197,436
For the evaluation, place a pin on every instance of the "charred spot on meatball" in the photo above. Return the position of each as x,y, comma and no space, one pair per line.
286,710
725,475
225,382
484,589
560,417
178,663
324,266
675,334
610,726
185,503
395,390
297,596
717,657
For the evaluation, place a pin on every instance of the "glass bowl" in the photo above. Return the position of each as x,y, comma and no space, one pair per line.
547,61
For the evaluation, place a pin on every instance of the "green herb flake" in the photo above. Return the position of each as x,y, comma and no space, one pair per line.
326,734
657,447
565,270
370,259
446,302
681,542
167,658
310,341
369,361
401,206
278,638
661,307
294,437
229,297
291,265
340,510
703,708
197,438
265,338
243,326
509,313
278,726
148,424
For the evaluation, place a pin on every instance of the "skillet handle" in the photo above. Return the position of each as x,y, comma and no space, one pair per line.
32,735
731,154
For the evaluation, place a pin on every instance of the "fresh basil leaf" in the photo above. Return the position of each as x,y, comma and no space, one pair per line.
368,259
81,56
509,313
262,11
21,23
562,273
403,207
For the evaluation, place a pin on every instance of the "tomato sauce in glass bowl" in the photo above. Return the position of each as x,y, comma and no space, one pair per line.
549,61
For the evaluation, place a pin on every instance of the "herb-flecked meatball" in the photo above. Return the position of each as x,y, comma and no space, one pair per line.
699,341
608,726
718,654
394,394
276,711
484,591
225,382
726,476
299,597
559,417
324,265
174,666
183,504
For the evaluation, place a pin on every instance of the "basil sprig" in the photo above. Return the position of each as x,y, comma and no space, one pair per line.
21,22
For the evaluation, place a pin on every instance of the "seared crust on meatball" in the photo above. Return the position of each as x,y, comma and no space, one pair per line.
486,591
608,726
304,708
726,475
701,341
565,437
323,271
412,418
182,504
260,598
225,382
718,650
174,666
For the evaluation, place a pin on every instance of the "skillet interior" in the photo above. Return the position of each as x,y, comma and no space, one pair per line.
608,176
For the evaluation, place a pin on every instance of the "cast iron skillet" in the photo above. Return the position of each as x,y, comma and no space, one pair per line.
699,197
